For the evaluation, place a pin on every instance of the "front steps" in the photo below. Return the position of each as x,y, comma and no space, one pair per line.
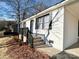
39,43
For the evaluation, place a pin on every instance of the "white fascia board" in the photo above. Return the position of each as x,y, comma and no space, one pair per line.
50,9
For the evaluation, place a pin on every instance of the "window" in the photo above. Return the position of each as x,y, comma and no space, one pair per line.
39,22
46,21
43,22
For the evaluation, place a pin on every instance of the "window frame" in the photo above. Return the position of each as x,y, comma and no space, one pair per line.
43,22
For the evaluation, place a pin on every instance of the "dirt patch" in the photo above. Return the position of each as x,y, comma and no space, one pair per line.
25,52
5,39
14,51
4,49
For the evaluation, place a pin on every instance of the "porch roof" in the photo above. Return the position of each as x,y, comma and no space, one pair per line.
74,9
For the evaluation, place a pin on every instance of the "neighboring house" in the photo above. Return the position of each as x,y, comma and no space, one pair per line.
7,25
58,24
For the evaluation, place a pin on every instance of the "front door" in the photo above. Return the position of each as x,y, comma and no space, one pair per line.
31,26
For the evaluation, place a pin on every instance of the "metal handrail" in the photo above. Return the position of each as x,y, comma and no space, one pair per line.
30,38
26,32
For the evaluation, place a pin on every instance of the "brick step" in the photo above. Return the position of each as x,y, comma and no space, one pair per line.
39,43
37,37
37,40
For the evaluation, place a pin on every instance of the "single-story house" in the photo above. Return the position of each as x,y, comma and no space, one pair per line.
58,24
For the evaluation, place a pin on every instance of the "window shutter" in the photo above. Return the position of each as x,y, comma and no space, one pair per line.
50,25
36,27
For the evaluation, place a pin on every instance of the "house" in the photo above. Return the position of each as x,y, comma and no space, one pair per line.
58,24
7,25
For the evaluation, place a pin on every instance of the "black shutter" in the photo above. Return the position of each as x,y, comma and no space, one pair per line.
50,25
37,25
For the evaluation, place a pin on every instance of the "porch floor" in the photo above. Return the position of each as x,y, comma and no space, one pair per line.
74,49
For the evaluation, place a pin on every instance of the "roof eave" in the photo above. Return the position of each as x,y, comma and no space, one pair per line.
50,9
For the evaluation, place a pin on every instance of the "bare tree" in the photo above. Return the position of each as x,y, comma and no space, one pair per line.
21,9
40,6
17,11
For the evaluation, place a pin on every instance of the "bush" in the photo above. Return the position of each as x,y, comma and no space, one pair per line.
11,33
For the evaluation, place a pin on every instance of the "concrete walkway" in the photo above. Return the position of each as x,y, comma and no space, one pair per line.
49,50
74,49
69,53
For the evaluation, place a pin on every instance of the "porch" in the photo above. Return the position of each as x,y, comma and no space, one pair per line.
69,53
74,49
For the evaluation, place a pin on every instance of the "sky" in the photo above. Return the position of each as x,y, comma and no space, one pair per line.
4,8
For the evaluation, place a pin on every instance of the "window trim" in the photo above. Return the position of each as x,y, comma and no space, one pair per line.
37,20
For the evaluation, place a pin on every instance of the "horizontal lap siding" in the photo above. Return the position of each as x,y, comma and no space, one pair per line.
56,34
71,27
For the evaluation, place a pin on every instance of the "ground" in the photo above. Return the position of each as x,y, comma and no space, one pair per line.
4,49
70,53
9,49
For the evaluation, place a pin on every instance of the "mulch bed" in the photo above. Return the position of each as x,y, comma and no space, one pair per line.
24,52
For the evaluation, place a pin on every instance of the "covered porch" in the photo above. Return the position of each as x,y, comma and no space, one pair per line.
71,24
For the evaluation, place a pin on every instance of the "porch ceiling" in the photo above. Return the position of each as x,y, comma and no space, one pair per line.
74,8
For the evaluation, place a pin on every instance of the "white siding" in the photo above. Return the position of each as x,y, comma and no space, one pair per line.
21,25
34,24
64,30
56,34
70,27
28,24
